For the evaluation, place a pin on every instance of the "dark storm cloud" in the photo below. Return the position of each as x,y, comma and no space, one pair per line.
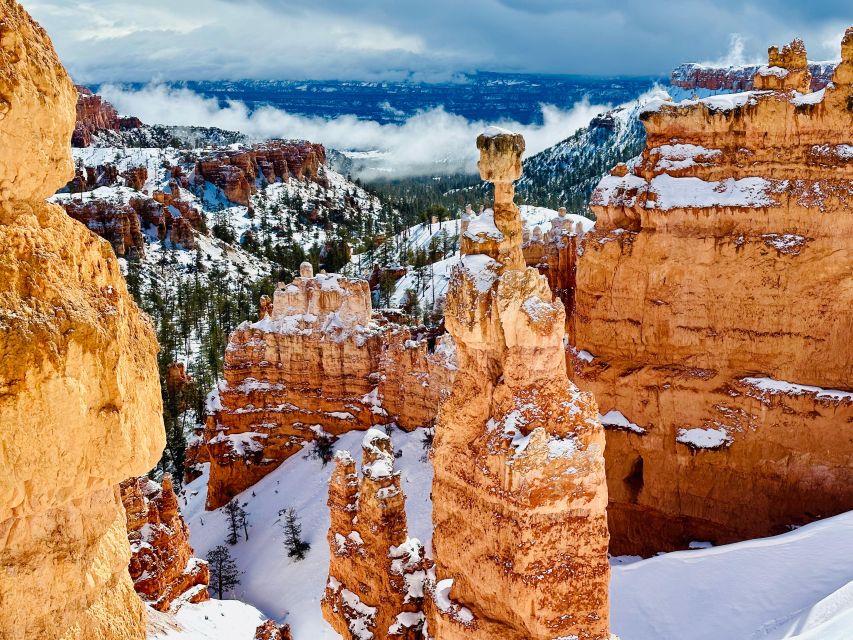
374,39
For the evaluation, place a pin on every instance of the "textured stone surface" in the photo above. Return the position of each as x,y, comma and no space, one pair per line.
692,76
554,253
312,366
162,565
269,630
95,114
376,572
519,494
79,399
117,223
710,264
236,172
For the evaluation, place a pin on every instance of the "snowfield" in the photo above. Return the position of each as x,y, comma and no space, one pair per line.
282,588
797,585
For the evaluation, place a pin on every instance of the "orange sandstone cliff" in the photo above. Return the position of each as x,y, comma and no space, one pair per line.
519,493
714,307
162,565
376,572
311,368
80,402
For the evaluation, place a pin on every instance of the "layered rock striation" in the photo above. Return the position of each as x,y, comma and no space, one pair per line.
519,493
713,309
730,79
162,565
117,223
95,115
237,172
376,572
312,368
554,253
79,396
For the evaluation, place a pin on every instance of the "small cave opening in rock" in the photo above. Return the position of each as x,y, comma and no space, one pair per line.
634,480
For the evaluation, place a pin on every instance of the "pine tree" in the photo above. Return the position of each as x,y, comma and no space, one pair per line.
237,519
296,546
224,574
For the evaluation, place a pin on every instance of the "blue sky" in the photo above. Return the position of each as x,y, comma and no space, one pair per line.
115,40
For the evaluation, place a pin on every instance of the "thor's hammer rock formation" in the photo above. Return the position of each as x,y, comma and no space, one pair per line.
519,494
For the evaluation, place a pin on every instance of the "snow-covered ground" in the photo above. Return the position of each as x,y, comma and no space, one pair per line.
797,585
211,620
282,588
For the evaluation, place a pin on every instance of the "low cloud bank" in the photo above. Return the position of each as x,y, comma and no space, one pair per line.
430,142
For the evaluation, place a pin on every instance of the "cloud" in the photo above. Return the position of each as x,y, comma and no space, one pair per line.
108,40
431,141
736,55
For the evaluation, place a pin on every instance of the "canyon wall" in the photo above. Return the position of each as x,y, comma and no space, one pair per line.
732,79
316,365
554,254
236,172
162,565
120,222
376,572
79,396
94,114
713,314
519,493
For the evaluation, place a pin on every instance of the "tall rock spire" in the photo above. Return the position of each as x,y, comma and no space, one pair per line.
519,493
376,572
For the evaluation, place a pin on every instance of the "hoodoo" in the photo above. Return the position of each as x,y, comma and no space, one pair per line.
713,308
316,365
519,494
376,572
80,403
162,565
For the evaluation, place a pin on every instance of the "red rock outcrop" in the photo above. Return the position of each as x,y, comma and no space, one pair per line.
117,223
135,177
692,76
311,367
90,178
162,565
415,378
122,224
713,313
96,114
80,403
237,172
174,218
554,254
269,630
376,572
519,492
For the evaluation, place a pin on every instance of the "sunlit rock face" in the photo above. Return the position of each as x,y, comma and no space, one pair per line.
713,313
519,495
236,172
317,365
162,565
376,572
79,390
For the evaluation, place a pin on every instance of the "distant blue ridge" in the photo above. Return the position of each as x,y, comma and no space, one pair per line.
482,96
